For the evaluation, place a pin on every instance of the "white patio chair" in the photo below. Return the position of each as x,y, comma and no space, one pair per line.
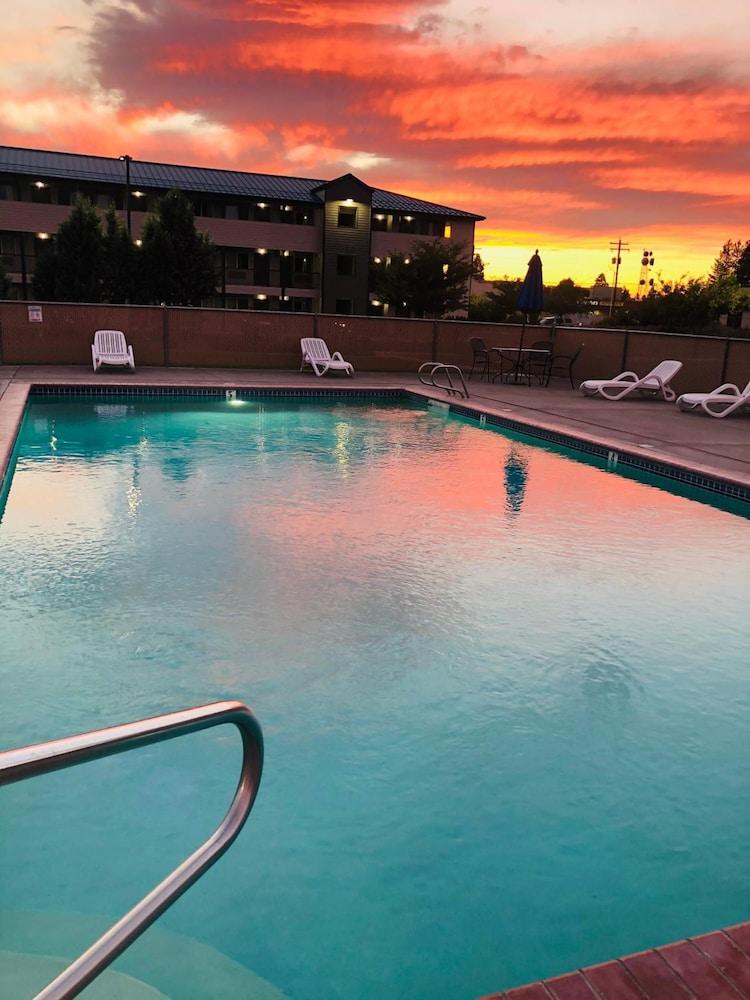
316,354
111,348
719,403
655,383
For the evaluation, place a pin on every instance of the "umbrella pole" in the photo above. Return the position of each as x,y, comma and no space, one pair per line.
520,346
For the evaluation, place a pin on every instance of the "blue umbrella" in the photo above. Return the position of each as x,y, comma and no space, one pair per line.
531,296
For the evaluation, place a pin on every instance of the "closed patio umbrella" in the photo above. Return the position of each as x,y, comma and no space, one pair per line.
531,296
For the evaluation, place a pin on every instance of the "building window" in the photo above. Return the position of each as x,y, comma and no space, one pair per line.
346,264
447,230
380,222
6,192
303,217
261,302
301,305
407,224
347,217
262,212
344,307
231,212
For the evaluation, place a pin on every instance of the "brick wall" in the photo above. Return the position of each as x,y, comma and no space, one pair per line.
237,339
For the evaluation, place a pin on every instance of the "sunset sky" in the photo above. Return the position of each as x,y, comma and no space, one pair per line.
568,123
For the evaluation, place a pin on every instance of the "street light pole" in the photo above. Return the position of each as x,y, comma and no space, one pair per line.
127,160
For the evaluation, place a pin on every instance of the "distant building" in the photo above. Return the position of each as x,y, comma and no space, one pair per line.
284,242
600,295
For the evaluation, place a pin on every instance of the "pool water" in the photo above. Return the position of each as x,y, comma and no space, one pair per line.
504,694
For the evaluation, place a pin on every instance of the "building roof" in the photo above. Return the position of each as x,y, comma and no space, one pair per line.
208,180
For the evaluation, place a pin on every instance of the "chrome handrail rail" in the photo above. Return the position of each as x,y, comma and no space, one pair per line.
436,366
41,758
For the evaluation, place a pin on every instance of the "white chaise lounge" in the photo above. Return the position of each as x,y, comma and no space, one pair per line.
656,383
316,354
111,348
719,403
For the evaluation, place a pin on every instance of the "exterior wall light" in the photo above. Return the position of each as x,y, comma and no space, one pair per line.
284,298
380,217
377,260
139,194
286,253
261,251
349,201
407,260
287,208
139,243
376,302
262,204
39,184
42,236
261,297
409,218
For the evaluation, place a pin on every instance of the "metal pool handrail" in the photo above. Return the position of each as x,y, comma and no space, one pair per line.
438,366
40,758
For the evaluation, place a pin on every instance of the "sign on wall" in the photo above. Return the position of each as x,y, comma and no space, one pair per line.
35,314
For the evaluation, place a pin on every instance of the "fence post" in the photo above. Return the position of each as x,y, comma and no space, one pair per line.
165,334
434,340
725,362
624,362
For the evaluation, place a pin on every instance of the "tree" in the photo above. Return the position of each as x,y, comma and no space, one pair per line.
726,264
430,280
77,252
45,273
177,262
4,282
478,271
742,271
118,261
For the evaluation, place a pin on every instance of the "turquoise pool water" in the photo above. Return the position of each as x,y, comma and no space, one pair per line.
505,696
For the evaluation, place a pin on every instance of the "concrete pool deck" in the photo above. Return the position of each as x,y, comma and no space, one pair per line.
651,429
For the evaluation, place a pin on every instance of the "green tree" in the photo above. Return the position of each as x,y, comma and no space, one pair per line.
742,271
478,271
727,263
430,280
118,261
78,248
4,282
44,280
177,262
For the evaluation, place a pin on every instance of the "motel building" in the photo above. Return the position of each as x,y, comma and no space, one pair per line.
284,243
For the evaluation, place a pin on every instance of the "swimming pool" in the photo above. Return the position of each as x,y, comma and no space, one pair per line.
504,695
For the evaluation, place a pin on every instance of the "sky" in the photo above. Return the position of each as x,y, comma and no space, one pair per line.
567,123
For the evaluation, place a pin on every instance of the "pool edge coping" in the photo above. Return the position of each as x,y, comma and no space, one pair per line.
619,456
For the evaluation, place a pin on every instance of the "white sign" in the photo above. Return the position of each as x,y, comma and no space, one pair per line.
35,314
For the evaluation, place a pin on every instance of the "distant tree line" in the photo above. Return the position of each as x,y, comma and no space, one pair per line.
87,261
688,305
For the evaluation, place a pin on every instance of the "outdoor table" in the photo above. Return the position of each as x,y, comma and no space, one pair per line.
515,354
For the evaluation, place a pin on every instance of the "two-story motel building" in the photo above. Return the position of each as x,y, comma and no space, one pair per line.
288,243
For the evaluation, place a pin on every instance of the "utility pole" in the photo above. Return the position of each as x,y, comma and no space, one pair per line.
616,260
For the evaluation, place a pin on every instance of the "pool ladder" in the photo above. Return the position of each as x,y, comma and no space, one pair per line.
41,758
435,368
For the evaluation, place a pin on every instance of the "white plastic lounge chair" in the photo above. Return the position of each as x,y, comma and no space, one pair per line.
316,354
655,383
719,403
111,348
